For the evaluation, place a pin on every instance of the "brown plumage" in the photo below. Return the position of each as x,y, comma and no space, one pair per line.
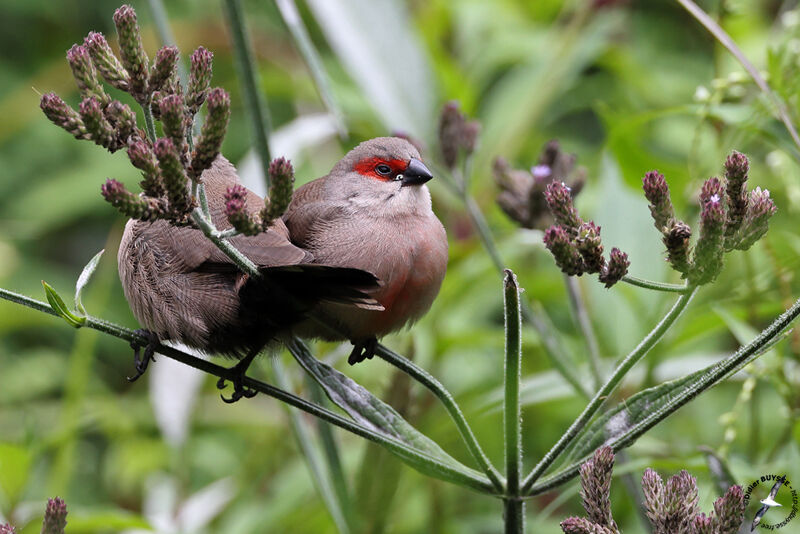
369,217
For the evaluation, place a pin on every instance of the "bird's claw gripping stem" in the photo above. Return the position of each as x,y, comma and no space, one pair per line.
362,350
236,375
140,363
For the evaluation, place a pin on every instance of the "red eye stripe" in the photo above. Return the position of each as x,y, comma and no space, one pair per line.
366,167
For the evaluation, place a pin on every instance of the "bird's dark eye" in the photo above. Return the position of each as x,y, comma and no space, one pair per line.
383,169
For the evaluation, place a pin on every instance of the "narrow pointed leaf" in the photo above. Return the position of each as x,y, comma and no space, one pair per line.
57,303
84,278
373,413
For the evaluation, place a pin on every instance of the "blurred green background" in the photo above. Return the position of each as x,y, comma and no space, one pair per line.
627,86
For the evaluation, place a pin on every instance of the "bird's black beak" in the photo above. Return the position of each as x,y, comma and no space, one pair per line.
416,173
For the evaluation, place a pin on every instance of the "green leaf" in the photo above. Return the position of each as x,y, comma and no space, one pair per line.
57,303
372,413
83,279
625,417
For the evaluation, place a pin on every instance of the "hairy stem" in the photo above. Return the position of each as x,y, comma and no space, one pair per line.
514,508
656,286
446,398
611,384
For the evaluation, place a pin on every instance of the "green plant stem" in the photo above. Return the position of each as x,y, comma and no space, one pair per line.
302,435
291,17
210,231
449,403
656,286
578,306
253,96
399,448
611,384
722,370
514,507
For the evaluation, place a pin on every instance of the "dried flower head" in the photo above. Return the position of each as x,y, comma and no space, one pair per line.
85,74
760,209
281,175
63,116
173,177
596,487
106,62
164,68
134,57
131,205
580,525
656,191
209,143
55,516
143,158
616,268
591,247
236,211
559,200
565,253
199,78
456,134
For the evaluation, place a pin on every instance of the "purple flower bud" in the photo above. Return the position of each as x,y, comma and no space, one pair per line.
616,268
199,78
236,211
596,487
143,158
559,200
541,173
657,193
653,489
133,206
105,61
451,126
85,74
123,120
712,191
729,510
708,251
164,68
579,525
6,528
173,121
100,130
173,177
736,168
760,209
62,115
563,250
591,247
703,524
55,517
281,175
676,239
208,145
470,134
134,58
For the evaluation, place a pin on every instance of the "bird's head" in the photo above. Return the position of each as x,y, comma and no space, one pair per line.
385,173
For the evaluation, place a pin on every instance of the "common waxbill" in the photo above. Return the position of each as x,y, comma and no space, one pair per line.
369,217
373,212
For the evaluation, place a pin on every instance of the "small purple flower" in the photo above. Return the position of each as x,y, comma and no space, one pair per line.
656,191
209,143
237,213
55,516
616,268
164,69
565,253
281,175
105,61
559,200
199,78
134,58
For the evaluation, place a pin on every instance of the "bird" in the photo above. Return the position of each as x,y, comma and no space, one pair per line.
358,254
767,503
373,212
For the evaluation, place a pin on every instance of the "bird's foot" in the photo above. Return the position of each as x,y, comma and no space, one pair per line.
362,350
236,375
140,363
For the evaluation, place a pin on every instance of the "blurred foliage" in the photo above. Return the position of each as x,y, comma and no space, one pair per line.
627,86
